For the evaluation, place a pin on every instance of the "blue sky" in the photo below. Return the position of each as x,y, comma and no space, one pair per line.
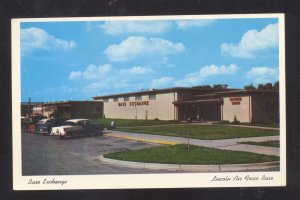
78,60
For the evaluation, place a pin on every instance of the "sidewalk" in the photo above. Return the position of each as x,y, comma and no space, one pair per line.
225,144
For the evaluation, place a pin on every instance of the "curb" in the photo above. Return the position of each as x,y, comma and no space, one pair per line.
247,126
140,140
193,168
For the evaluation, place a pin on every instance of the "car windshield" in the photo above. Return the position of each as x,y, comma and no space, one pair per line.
69,124
51,121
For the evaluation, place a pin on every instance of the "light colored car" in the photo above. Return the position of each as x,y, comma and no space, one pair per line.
43,121
71,124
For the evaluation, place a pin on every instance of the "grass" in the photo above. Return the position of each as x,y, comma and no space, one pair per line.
179,154
131,122
271,125
204,132
273,143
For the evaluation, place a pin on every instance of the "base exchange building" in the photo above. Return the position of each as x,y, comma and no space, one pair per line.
201,104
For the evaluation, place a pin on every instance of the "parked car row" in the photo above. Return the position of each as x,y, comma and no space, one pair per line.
65,128
77,128
45,126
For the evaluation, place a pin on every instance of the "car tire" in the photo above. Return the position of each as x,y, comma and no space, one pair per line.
99,132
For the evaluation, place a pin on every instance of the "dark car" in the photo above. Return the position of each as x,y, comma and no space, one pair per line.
78,128
30,123
45,128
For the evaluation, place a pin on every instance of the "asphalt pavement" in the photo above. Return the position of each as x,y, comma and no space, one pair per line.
48,155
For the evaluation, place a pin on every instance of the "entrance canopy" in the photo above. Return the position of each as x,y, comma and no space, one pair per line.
197,102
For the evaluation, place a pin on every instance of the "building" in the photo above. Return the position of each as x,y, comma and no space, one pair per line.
27,107
70,109
246,106
198,103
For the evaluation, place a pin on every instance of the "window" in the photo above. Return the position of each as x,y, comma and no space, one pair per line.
116,99
152,96
126,98
138,98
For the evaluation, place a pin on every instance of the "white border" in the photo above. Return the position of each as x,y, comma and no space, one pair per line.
123,181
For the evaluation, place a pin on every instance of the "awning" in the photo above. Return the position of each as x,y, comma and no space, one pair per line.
197,101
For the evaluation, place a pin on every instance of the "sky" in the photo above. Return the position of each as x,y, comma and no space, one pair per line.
62,61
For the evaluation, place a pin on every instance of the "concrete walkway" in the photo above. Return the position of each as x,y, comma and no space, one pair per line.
225,144
206,124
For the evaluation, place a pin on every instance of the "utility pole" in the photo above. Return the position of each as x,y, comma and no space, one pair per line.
29,107
188,128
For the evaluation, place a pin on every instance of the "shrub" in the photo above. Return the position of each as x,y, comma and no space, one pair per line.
235,121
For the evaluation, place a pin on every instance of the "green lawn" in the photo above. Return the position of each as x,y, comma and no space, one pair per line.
131,122
205,132
271,125
179,154
274,143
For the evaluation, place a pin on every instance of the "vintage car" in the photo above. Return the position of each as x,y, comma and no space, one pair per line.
45,127
77,128
31,123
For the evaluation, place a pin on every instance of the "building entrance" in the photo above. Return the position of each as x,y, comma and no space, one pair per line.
200,111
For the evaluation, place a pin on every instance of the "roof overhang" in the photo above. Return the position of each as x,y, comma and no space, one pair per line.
204,101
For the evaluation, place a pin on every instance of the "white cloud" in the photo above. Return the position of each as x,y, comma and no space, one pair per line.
253,41
184,24
91,72
35,38
198,77
210,70
106,79
93,87
120,27
138,70
75,75
140,46
263,74
160,82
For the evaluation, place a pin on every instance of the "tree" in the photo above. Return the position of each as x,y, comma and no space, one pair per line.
276,85
203,86
249,87
220,86
267,86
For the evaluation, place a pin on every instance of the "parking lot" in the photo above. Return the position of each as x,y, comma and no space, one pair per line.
49,155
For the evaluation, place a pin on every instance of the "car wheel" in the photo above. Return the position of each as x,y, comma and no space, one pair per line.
99,132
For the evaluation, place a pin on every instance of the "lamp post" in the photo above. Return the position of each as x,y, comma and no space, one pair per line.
188,128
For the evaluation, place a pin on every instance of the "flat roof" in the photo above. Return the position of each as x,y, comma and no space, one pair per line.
66,102
206,95
247,91
158,91
26,103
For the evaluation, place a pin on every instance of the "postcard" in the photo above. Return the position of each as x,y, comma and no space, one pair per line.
188,101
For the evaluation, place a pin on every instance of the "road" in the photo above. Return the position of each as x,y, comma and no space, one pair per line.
47,155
